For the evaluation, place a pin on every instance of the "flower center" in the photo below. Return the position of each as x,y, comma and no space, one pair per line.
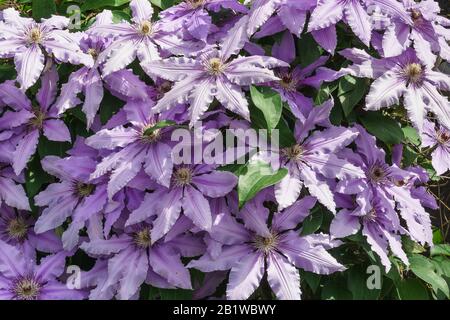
143,238
266,244
413,72
443,137
377,173
195,3
27,289
152,136
146,28
293,153
38,120
215,66
17,229
93,53
287,83
35,36
416,15
370,216
84,189
182,177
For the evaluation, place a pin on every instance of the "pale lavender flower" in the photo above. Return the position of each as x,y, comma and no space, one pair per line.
134,257
259,247
420,26
353,12
23,279
139,38
379,223
437,138
313,160
403,76
193,16
135,148
394,186
28,42
11,192
88,80
29,122
290,14
190,188
214,74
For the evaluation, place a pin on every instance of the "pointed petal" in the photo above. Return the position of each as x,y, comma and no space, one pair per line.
283,277
197,208
56,130
215,184
25,149
29,65
245,277
385,92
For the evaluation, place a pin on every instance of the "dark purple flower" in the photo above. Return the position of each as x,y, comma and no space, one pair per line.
29,122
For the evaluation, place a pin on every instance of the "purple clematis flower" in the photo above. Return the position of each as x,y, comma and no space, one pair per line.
379,222
135,148
214,75
290,14
28,122
22,279
16,229
393,185
11,192
420,26
190,186
134,257
260,247
193,16
329,12
89,81
27,42
403,76
313,159
294,79
139,38
439,139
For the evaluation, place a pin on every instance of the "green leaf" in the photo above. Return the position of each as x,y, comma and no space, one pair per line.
175,294
160,125
335,290
43,8
357,285
308,50
312,279
425,270
440,249
258,175
163,4
382,127
100,4
351,92
35,177
269,102
411,135
411,289
312,223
